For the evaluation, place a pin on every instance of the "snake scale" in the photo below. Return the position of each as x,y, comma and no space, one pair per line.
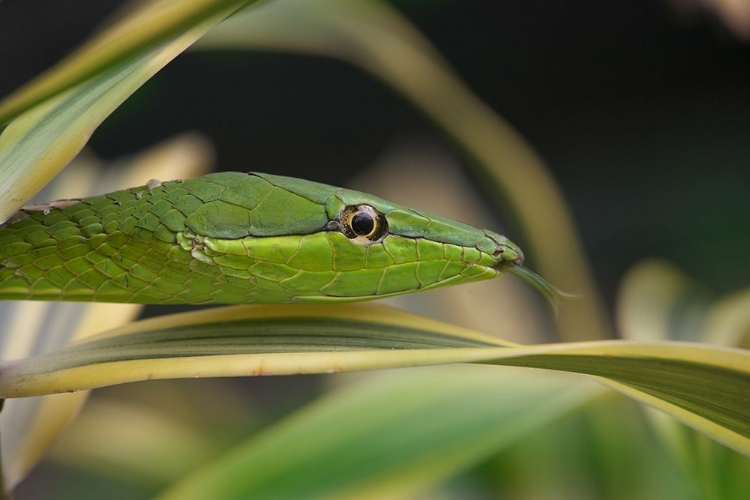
235,237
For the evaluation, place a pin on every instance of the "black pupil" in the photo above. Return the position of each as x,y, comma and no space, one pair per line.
363,224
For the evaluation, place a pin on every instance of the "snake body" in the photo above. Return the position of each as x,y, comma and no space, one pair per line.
239,238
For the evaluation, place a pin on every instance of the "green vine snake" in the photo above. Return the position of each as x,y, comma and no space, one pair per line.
242,238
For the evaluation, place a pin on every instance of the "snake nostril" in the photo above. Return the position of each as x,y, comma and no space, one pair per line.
508,252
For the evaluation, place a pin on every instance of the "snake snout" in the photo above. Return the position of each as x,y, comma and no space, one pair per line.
509,252
506,252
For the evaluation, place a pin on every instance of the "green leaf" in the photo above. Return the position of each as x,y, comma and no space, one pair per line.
701,385
134,442
657,301
145,28
41,142
29,425
392,435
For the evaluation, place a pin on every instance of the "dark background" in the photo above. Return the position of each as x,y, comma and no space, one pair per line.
642,114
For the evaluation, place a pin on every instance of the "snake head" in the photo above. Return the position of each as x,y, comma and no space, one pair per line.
329,243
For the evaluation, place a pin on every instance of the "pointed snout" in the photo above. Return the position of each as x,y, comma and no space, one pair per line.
506,252
509,252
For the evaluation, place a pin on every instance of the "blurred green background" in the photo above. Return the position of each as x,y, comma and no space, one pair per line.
641,109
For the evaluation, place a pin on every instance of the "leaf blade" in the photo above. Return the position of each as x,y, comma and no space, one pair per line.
142,31
29,425
41,142
393,435
679,378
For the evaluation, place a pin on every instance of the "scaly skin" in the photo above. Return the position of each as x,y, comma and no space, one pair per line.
236,238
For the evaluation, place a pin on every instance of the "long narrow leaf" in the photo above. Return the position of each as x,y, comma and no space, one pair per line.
704,386
142,31
393,435
41,142
657,301
29,425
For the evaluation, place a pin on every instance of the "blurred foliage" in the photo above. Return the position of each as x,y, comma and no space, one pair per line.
29,425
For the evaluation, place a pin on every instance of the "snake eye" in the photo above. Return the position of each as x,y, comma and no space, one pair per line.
363,224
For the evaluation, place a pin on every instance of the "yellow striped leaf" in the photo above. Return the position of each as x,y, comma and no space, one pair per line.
704,386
